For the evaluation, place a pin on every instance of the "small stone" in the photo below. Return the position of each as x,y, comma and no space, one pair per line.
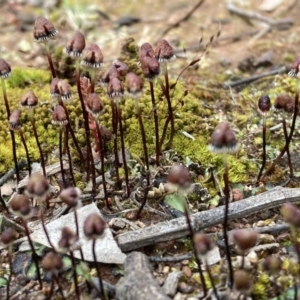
171,283
179,296
187,271
283,237
185,262
166,270
264,238
237,195
160,280
184,288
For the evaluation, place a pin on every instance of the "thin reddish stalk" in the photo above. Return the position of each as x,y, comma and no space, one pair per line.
115,135
60,157
287,143
157,149
287,150
119,114
38,144
69,156
53,73
90,160
264,154
102,163
75,276
12,135
77,230
26,151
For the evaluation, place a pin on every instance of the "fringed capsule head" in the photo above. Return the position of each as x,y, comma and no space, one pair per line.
94,105
146,50
93,226
121,67
20,205
164,52
70,196
14,120
179,175
294,71
64,90
245,239
223,139
68,240
38,185
150,67
5,69
59,116
134,85
92,57
43,30
110,73
29,100
52,262
115,89
203,243
264,104
75,45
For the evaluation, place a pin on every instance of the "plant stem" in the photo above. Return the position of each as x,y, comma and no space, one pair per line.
50,61
170,109
98,270
69,156
102,162
59,286
37,142
139,117
61,157
115,136
75,275
90,160
93,79
287,150
9,256
12,135
287,143
77,230
225,223
264,154
119,114
26,151
42,219
34,255
157,149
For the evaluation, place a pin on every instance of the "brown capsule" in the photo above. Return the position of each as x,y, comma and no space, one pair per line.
291,213
64,90
29,100
282,100
20,205
70,196
8,236
294,71
109,74
289,106
93,226
51,262
203,243
68,238
121,67
242,282
179,175
264,104
223,139
14,120
37,185
115,88
164,52
94,105
54,91
5,69
75,45
146,50
245,239
271,264
134,85
59,116
43,30
92,57
150,67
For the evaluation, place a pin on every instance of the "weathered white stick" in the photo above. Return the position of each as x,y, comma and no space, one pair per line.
177,228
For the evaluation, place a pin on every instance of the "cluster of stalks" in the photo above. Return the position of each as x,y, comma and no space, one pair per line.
38,190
